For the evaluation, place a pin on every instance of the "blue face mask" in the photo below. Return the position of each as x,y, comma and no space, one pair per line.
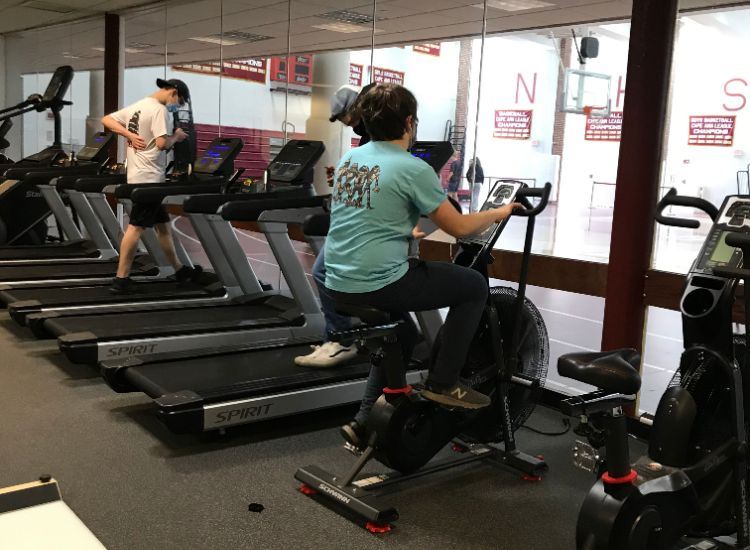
173,108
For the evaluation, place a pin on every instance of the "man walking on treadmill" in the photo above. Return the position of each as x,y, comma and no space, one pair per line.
147,125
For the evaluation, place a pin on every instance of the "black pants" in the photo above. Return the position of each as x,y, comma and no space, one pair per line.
427,286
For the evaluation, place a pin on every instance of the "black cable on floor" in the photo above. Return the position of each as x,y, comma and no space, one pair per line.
565,421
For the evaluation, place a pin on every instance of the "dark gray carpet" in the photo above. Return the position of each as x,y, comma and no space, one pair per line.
138,486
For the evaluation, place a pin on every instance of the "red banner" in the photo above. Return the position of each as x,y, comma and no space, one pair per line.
604,128
717,131
513,124
300,65
388,76
355,74
248,69
429,49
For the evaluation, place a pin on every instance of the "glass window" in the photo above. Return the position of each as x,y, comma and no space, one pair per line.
706,154
522,133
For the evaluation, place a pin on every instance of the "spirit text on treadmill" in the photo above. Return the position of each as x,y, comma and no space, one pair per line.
139,349
240,414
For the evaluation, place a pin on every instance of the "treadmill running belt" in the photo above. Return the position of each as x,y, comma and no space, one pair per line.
238,374
71,249
83,270
46,298
145,324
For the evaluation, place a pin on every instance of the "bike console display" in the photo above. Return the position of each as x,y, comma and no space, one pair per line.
733,217
218,158
295,162
434,153
502,193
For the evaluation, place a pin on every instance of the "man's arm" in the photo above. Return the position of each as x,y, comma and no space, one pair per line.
114,126
164,143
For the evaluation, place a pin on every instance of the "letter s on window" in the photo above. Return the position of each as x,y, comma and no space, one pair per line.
741,96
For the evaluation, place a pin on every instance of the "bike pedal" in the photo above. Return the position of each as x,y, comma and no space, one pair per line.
356,451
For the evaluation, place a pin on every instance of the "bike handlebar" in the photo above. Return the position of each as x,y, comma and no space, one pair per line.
526,192
673,199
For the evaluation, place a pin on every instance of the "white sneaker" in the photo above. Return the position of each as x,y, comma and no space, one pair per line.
302,360
329,354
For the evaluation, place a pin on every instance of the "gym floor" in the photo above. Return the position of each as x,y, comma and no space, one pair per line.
137,486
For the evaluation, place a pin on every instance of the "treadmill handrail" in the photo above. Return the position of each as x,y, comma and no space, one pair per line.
210,204
94,184
45,176
244,211
157,193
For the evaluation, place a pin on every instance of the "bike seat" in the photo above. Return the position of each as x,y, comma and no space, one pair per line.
614,371
368,315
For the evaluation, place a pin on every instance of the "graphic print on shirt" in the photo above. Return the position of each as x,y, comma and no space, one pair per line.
133,122
354,184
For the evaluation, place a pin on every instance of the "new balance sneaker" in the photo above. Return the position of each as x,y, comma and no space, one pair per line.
459,395
327,355
121,285
188,274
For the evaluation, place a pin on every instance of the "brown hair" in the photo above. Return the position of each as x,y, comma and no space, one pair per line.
384,110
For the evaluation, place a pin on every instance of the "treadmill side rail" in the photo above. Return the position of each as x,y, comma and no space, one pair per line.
254,409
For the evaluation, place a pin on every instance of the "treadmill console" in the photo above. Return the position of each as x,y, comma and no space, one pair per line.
58,85
734,216
218,158
97,149
295,162
502,193
434,153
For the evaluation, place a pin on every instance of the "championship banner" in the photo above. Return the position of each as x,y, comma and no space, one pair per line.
355,74
604,128
513,124
248,69
388,76
716,131
301,69
429,49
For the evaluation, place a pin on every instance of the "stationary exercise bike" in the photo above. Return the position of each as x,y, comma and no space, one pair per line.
508,361
692,483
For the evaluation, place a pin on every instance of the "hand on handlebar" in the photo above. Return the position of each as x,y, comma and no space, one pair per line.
505,211
180,135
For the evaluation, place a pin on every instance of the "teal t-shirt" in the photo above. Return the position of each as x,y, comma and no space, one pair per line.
379,192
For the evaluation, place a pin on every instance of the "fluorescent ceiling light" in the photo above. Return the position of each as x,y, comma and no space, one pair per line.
514,5
231,38
347,28
346,16
69,55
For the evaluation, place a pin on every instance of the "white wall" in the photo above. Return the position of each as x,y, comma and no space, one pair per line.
700,76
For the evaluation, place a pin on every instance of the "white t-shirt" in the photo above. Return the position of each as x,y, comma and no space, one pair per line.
149,119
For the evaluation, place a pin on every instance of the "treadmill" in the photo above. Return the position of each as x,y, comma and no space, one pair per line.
209,175
91,159
224,390
256,318
22,209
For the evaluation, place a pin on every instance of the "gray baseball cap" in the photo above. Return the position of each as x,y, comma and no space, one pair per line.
342,101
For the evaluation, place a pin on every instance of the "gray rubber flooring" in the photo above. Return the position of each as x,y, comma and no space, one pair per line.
138,486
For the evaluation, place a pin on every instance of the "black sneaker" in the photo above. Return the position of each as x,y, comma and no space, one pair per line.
354,434
187,274
121,285
458,395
